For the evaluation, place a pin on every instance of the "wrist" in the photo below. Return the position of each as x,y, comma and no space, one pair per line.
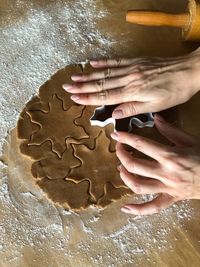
195,70
196,80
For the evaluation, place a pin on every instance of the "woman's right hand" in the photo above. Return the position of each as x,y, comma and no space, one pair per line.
139,85
173,172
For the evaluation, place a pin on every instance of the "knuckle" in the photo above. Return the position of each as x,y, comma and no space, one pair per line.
87,77
106,61
100,85
119,91
146,84
163,95
172,160
118,62
130,165
137,188
103,95
138,142
88,98
107,73
139,68
159,69
157,208
136,75
131,109
123,138
124,80
126,138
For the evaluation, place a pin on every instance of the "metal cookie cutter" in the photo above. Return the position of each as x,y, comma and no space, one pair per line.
102,116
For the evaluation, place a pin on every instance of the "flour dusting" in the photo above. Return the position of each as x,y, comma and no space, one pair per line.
36,41
39,44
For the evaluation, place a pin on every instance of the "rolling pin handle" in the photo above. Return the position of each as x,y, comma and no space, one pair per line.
149,18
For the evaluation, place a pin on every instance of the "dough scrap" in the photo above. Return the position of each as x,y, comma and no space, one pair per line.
54,132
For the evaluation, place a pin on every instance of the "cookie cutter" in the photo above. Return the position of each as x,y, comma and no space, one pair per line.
102,116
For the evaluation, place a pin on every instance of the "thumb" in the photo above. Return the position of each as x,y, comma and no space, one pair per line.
130,109
172,133
156,205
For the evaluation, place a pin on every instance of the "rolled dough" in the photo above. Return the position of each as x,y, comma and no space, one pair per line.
74,163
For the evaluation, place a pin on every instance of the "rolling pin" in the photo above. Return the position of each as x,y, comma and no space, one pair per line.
189,22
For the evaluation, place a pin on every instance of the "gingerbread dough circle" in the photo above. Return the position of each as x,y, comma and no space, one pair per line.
74,163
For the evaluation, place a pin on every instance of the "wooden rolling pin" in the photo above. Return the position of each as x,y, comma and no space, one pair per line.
189,22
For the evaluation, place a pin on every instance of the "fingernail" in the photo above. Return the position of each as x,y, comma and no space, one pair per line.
94,62
77,77
125,209
159,118
75,97
68,87
119,168
115,136
117,114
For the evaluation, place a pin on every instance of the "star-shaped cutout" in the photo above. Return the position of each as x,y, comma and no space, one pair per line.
54,167
57,125
63,192
93,131
99,166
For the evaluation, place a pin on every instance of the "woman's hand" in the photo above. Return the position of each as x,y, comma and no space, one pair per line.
174,171
138,85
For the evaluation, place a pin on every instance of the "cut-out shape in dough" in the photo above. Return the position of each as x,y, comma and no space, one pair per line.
92,131
57,117
66,193
98,169
109,189
54,167
37,152
25,127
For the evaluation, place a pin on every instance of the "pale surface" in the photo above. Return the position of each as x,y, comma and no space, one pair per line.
39,38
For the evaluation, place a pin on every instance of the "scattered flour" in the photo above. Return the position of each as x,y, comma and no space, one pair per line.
42,42
32,48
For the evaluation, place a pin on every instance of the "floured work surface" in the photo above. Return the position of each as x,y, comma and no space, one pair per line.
74,163
38,38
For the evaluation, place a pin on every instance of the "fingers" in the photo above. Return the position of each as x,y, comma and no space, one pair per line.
173,134
138,166
155,206
107,97
100,85
148,147
103,63
104,74
130,109
141,185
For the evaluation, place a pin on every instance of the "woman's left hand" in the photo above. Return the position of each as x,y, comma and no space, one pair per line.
174,171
